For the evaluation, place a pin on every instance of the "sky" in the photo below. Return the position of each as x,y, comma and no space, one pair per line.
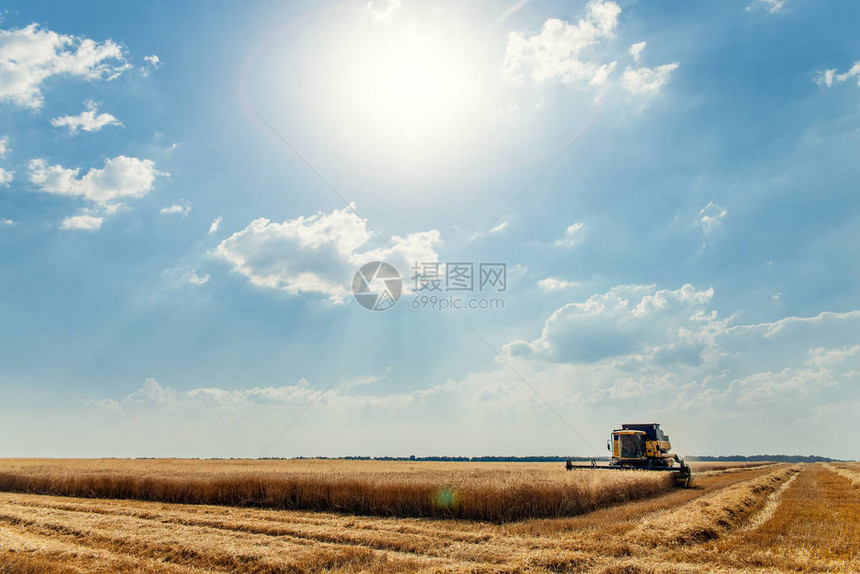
665,191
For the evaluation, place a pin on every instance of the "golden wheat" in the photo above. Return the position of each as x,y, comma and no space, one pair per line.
494,492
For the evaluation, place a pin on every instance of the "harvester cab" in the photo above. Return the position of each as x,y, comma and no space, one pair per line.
646,446
641,445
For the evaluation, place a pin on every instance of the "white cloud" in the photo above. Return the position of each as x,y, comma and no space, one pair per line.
153,394
647,80
151,63
772,6
4,146
610,325
636,50
186,276
213,227
149,393
382,10
668,353
83,222
555,53
121,178
551,284
499,228
88,120
559,52
176,209
792,381
6,221
572,235
29,56
317,254
6,177
824,357
711,216
825,77
829,77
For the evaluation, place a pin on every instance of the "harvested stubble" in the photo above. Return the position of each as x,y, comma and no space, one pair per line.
705,518
492,492
851,471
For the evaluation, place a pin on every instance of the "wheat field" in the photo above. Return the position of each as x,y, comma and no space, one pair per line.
758,518
498,492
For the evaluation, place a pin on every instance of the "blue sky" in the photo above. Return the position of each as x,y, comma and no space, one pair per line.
176,281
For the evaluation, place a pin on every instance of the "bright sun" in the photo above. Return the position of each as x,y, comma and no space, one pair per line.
411,91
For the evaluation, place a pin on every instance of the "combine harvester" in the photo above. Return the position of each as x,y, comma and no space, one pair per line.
642,447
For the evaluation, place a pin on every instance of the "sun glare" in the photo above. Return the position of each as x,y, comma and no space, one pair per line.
409,92
407,83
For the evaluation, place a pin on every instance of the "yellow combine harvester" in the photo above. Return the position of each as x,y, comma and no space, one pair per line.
644,447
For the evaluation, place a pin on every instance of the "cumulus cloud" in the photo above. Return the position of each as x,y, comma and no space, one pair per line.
829,77
121,178
213,227
565,52
186,276
772,6
572,235
317,254
639,345
668,355
556,52
83,222
149,393
29,56
636,50
647,80
6,177
615,324
88,120
824,357
176,209
711,216
551,284
151,63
